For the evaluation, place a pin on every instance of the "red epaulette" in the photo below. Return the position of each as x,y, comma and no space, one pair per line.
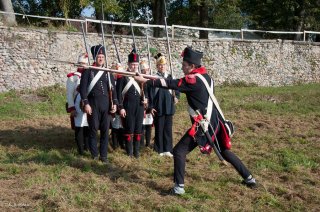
191,79
70,74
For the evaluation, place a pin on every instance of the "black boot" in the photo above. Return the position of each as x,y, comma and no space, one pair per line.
86,139
114,139
136,142
129,145
142,141
121,139
148,134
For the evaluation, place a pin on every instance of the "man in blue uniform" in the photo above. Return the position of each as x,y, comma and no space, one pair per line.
99,99
163,108
200,103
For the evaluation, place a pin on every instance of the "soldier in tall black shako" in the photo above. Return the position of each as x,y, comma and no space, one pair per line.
200,105
131,106
98,101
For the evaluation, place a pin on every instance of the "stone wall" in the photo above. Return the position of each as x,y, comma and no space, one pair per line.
27,58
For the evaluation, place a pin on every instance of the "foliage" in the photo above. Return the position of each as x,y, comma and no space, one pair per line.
227,15
286,15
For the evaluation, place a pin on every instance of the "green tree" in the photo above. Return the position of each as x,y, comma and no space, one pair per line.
207,13
227,14
286,15
52,8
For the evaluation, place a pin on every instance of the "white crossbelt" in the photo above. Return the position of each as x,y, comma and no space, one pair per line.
213,98
94,81
228,124
209,107
163,77
129,84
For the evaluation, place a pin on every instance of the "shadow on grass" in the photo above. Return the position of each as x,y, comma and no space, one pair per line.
27,137
55,145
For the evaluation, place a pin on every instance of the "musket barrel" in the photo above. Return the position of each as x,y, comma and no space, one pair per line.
167,34
114,43
148,45
85,42
104,43
125,73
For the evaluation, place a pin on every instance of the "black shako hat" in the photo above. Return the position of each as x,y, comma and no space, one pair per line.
192,56
98,49
133,57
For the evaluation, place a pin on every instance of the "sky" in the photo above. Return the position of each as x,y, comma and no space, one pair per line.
88,11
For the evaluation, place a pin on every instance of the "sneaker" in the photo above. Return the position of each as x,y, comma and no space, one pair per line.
168,154
178,189
95,158
250,182
161,154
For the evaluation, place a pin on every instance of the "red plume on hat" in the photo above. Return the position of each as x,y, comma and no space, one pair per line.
182,54
96,50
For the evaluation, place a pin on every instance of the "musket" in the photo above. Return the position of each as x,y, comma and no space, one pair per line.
168,46
114,43
108,74
135,47
85,42
148,46
132,31
124,73
167,34
104,43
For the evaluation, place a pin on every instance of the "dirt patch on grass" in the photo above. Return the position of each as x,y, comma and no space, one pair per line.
33,98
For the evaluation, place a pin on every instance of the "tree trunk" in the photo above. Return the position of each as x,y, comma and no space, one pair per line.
99,16
158,16
203,20
9,19
301,15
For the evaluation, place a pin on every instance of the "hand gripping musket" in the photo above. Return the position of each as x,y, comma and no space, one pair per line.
85,42
108,74
204,124
168,44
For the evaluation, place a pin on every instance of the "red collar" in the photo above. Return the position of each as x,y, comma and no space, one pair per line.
201,70
80,70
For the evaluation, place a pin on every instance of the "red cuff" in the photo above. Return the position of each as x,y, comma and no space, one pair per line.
70,109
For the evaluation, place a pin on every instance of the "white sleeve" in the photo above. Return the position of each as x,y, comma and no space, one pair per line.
70,90
77,103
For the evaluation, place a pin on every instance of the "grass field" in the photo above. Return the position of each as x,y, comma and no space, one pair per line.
277,137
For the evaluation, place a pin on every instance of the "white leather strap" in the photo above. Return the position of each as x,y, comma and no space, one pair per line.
209,107
213,98
94,81
129,84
